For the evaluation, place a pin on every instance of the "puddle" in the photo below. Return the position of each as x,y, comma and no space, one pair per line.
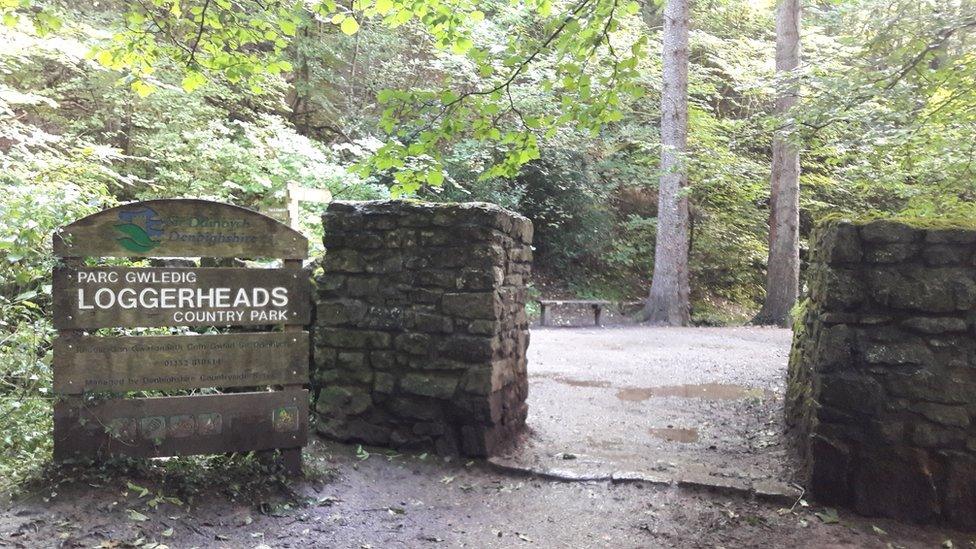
581,382
707,391
672,434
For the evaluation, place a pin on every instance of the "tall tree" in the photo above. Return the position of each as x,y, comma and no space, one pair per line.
668,302
783,266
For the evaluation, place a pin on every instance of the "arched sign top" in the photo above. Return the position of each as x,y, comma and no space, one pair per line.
179,228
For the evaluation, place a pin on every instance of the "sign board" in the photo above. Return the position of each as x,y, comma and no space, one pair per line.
179,228
87,298
90,363
101,297
182,425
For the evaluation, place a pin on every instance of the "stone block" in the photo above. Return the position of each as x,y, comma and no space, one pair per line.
959,501
952,416
429,385
898,483
906,353
414,408
356,339
339,312
477,305
888,232
480,279
384,383
382,318
368,432
950,236
338,400
382,360
926,290
362,286
469,348
414,343
936,255
852,393
936,325
428,322
483,327
838,243
891,253
343,261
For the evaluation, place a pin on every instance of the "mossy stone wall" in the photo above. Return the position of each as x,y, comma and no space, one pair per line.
881,393
421,331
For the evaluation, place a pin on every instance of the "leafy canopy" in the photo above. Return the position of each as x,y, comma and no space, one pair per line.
244,42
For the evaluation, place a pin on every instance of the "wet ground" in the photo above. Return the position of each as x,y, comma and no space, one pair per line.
374,500
657,417
666,403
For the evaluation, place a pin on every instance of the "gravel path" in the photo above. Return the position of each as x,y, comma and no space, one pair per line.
706,401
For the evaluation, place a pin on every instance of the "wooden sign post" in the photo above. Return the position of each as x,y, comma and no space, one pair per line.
272,364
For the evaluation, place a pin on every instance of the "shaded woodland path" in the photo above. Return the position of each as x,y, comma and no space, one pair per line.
667,404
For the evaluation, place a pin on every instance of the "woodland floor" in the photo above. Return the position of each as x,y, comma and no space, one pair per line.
651,402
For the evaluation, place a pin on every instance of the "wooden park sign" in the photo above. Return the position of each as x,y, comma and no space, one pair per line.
273,365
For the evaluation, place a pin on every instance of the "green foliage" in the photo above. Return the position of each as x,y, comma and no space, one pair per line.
895,106
25,396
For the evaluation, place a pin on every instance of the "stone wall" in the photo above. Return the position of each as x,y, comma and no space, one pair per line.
882,377
421,332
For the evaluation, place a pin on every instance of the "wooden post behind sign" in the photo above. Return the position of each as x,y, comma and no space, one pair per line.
296,193
89,298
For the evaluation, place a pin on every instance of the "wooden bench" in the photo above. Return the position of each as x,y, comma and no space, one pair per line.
596,304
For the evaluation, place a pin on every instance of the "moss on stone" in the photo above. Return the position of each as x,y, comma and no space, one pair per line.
915,222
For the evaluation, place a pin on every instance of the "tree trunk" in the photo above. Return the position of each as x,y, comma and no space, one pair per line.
668,302
783,266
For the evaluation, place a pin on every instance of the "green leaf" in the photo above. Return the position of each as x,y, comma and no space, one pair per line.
349,26
287,26
384,6
141,88
192,81
435,178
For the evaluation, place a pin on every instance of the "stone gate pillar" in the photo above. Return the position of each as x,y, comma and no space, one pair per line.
881,394
421,332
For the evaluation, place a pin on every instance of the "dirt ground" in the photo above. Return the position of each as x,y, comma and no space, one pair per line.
657,401
421,501
668,402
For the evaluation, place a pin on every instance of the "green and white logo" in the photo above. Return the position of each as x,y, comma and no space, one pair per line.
140,228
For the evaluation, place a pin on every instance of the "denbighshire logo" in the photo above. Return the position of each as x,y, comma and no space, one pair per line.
140,229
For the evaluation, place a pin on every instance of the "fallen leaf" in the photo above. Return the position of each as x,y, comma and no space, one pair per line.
137,516
878,531
828,516
166,533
